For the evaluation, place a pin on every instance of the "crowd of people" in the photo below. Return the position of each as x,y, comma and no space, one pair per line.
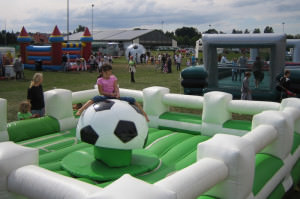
11,67
34,106
239,68
94,62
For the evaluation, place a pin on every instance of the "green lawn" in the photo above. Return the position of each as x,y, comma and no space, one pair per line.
146,76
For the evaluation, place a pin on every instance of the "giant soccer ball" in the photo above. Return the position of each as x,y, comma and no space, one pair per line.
113,124
136,50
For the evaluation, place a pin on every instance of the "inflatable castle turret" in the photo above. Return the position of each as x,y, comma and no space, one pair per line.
24,39
56,40
51,55
86,40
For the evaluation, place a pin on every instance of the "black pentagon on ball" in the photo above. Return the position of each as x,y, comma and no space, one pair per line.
103,105
88,135
125,131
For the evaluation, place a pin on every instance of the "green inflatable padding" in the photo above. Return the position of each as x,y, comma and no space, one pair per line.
278,192
207,197
32,128
187,161
238,124
296,143
153,135
182,117
296,172
52,166
60,154
179,130
164,145
51,138
108,156
194,72
265,168
82,163
183,149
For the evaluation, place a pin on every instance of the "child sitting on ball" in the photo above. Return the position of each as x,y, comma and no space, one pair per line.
108,88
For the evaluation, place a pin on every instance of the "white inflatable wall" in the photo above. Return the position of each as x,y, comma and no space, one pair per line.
225,163
276,42
295,44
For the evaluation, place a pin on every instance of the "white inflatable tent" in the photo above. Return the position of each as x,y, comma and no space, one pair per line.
276,42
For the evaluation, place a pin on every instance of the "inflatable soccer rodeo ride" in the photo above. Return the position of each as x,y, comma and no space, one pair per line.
110,151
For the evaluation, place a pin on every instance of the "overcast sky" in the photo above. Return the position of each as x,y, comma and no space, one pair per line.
222,15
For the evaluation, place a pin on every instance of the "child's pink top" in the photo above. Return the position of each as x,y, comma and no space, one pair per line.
107,84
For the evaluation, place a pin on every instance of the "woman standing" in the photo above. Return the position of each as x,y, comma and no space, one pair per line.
132,68
35,95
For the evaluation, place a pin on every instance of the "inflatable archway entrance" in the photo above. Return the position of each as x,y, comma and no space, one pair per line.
276,42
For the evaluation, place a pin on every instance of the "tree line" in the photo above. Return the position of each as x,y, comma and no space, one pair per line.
8,38
185,36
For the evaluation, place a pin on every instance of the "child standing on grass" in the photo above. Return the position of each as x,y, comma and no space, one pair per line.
246,91
108,88
35,95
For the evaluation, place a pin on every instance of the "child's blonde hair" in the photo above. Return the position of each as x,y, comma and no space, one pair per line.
24,107
37,77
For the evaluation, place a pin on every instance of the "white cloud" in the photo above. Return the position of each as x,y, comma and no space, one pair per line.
42,15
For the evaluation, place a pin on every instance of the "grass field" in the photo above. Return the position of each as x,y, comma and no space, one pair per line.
15,91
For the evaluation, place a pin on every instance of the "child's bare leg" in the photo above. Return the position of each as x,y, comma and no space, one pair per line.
85,106
144,113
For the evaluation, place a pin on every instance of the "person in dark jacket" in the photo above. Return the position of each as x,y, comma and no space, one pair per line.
35,95
284,83
257,71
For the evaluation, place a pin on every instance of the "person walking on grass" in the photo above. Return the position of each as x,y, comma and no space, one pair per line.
132,68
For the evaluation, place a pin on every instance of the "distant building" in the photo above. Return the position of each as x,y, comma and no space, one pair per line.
40,38
148,38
